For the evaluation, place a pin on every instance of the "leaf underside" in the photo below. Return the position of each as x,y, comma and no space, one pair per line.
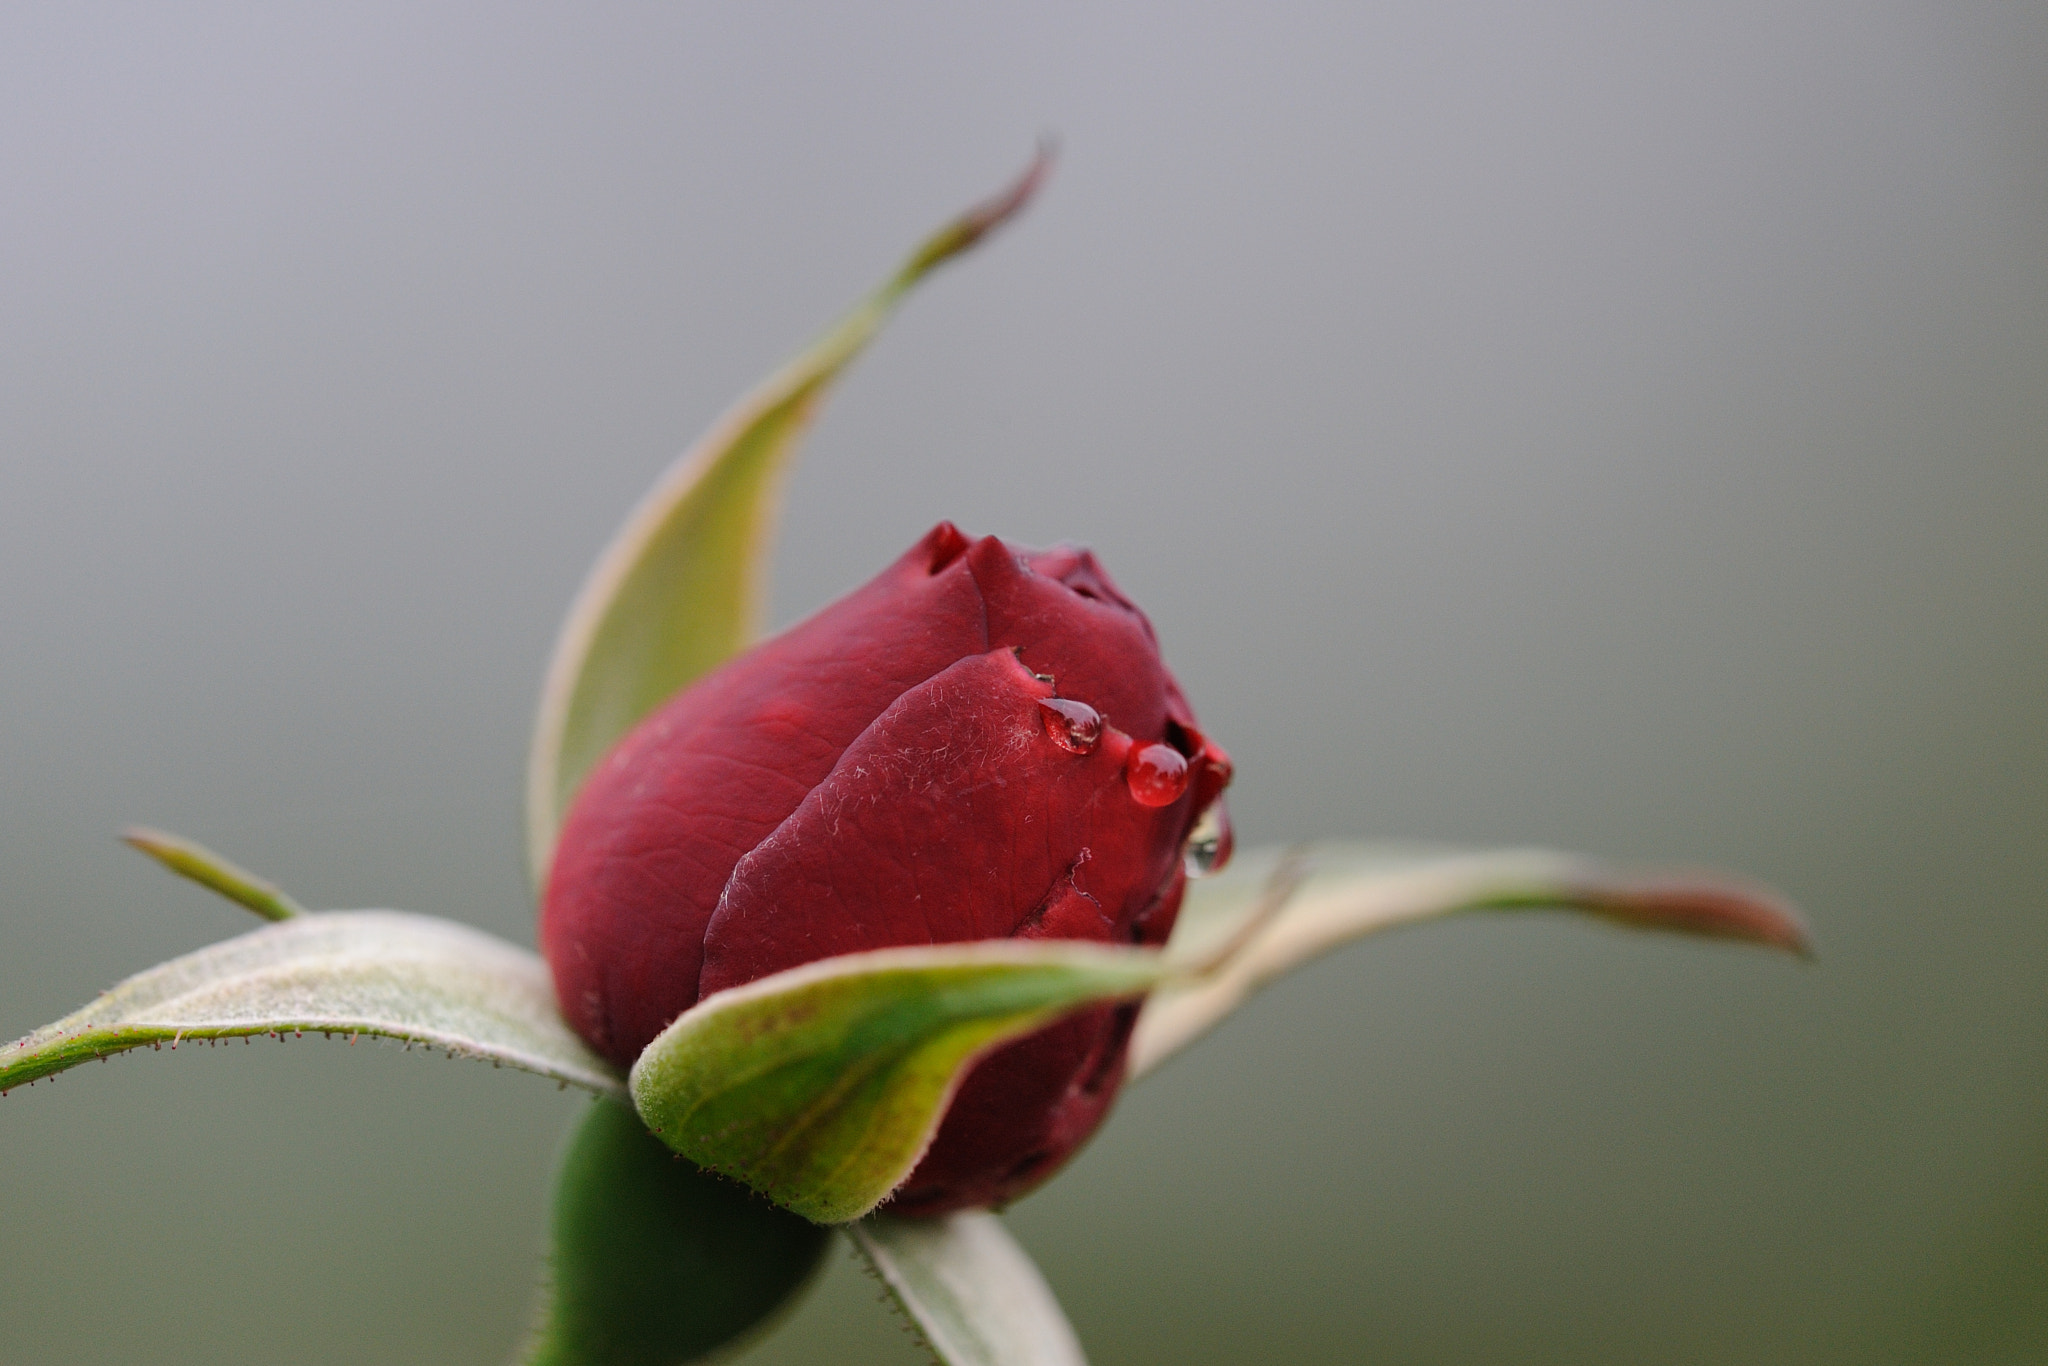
656,1262
682,586
387,974
822,1086
972,1292
1352,890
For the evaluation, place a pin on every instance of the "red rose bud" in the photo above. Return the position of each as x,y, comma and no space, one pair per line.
981,743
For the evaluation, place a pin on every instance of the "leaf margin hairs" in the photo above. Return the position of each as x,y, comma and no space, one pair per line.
418,979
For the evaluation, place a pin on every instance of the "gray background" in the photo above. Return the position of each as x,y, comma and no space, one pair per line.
1617,426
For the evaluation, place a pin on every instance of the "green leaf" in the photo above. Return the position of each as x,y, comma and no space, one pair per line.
682,586
822,1086
388,974
656,1261
1350,891
201,865
972,1292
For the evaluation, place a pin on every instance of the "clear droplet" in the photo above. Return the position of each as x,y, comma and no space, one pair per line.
1209,843
1157,774
1074,726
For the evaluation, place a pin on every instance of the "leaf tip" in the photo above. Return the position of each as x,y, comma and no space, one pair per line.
1712,905
984,218
158,844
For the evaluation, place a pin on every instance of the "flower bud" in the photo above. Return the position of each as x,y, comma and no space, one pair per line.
979,743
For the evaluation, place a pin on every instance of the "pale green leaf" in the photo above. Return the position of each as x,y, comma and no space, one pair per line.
822,1086
386,974
1349,891
682,586
656,1262
972,1292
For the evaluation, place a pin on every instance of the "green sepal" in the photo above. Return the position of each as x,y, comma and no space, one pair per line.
656,1262
822,1086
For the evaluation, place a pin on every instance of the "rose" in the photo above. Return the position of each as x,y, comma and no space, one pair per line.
978,744
891,773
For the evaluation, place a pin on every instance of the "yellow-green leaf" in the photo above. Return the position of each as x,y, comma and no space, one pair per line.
682,586
822,1086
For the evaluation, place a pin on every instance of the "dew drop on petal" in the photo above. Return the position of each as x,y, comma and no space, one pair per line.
1157,774
1208,846
1074,726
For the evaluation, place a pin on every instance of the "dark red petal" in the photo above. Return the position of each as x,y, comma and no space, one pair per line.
1077,568
1099,649
1029,1106
655,832
1021,1113
954,817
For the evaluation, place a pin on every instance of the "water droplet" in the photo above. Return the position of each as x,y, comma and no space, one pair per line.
1157,774
1209,843
1074,726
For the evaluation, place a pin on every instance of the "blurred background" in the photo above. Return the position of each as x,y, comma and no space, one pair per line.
1616,427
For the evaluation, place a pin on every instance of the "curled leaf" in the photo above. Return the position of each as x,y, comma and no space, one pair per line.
387,974
682,586
655,1261
822,1086
974,1295
1351,891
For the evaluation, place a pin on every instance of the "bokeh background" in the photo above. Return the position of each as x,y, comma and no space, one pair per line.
1620,427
